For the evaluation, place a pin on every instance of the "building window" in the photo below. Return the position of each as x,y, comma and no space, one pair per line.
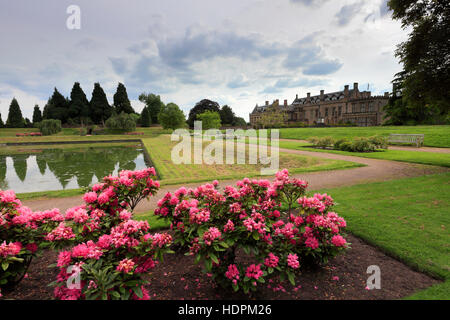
326,112
363,108
339,110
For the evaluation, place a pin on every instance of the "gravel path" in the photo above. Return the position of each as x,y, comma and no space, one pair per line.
375,170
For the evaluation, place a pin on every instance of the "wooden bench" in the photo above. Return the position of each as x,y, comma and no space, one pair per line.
416,139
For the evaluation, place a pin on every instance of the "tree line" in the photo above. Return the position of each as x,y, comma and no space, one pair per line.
78,110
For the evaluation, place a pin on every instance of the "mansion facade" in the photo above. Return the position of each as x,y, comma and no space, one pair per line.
347,106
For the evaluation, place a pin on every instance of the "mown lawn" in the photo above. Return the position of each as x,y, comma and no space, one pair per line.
160,150
435,136
432,158
407,218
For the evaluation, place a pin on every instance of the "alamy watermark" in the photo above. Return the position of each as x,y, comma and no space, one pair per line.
73,22
374,281
221,149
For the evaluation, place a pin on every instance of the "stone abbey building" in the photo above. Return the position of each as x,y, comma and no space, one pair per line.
347,106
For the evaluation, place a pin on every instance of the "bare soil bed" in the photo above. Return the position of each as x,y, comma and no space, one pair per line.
178,278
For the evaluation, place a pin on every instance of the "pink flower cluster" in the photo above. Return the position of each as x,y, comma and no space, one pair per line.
212,234
62,232
254,272
292,261
10,249
229,226
125,266
339,241
271,261
232,273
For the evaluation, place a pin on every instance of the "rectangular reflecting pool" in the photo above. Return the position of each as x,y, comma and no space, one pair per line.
60,167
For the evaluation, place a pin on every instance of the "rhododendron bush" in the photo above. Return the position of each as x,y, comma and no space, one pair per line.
112,267
21,233
106,214
214,226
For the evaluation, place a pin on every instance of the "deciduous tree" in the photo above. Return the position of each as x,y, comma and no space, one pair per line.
425,55
153,104
172,117
201,107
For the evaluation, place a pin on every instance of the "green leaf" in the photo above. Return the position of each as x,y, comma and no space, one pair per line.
5,265
291,278
214,258
138,291
224,244
208,264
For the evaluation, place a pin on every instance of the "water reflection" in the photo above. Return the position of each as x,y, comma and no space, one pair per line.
57,169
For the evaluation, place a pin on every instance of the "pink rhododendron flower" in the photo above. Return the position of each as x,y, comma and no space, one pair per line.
125,266
312,243
338,241
10,249
90,197
64,258
232,273
292,261
271,261
212,234
254,271
32,247
229,226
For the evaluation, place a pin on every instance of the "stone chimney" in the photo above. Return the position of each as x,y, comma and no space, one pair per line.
308,97
296,96
322,95
386,94
285,103
346,91
355,86
267,103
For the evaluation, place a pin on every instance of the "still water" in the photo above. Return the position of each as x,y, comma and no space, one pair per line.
61,169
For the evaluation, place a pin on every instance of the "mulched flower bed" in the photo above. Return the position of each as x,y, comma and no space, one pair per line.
178,278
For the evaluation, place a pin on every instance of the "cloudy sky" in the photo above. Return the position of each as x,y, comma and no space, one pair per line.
236,52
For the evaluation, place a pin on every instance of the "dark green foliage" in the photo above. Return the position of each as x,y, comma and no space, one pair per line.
49,126
226,115
28,123
123,122
358,144
154,105
210,120
57,107
201,107
37,115
100,108
172,117
146,121
2,125
79,104
424,82
15,118
121,101
239,122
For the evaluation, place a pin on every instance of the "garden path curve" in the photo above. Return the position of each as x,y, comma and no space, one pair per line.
375,170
